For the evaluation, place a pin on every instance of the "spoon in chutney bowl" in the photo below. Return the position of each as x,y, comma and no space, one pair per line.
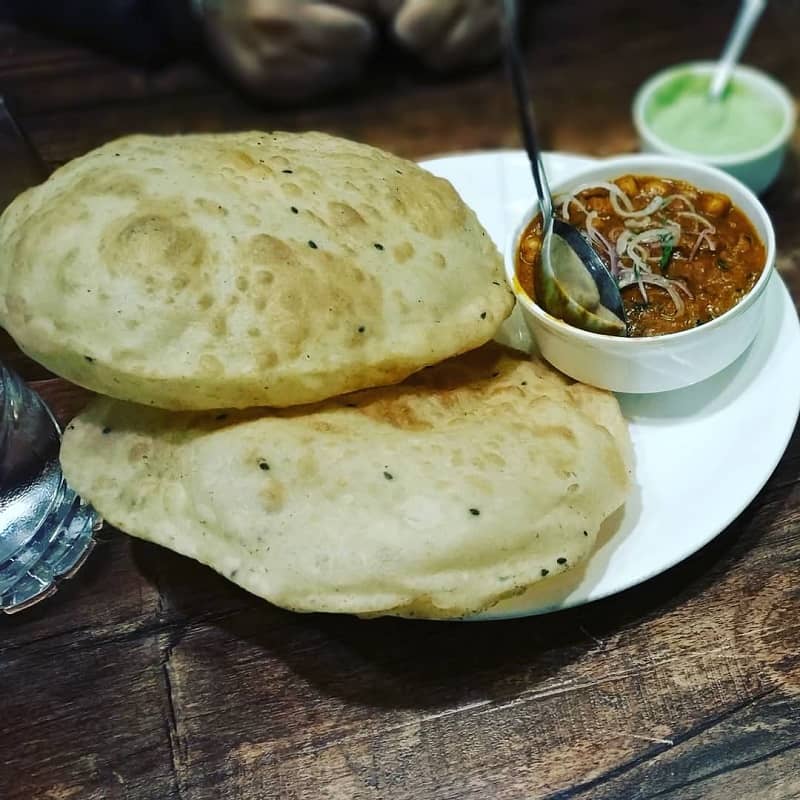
746,19
571,281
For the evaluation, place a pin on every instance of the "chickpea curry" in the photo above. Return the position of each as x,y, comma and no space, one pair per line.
681,256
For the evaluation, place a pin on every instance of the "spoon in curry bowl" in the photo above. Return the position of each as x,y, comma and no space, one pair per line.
571,281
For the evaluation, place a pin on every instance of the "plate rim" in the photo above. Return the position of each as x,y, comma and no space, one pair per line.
781,301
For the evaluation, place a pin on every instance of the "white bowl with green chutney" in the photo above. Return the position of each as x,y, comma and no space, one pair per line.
745,132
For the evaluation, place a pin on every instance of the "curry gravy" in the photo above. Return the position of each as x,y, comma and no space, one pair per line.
716,269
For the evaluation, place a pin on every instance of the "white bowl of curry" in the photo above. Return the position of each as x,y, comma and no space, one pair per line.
692,250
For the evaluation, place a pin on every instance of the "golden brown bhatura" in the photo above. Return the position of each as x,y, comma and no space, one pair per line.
467,483
290,331
244,269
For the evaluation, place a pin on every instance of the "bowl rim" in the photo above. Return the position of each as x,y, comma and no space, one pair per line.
753,77
659,167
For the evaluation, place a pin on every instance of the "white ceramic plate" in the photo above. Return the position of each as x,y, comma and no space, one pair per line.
702,453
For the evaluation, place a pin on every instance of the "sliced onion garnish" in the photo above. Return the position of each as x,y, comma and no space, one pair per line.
638,224
702,237
611,188
566,204
628,277
622,242
672,197
653,206
614,233
700,218
636,248
680,306
596,236
681,285
613,266
590,218
672,286
659,235
639,257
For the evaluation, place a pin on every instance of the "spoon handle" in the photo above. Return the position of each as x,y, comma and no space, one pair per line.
748,15
525,108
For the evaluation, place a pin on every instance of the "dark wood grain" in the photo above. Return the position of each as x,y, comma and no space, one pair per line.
148,676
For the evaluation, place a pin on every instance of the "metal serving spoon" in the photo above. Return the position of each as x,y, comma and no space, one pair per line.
46,532
749,13
572,282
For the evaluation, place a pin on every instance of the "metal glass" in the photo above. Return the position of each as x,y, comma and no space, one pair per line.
46,532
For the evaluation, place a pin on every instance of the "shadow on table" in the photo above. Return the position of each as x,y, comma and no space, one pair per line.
390,662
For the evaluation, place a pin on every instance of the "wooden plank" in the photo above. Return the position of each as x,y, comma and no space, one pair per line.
377,111
109,597
534,707
752,750
81,723
41,73
148,676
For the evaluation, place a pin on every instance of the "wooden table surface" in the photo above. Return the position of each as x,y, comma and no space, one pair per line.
149,677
